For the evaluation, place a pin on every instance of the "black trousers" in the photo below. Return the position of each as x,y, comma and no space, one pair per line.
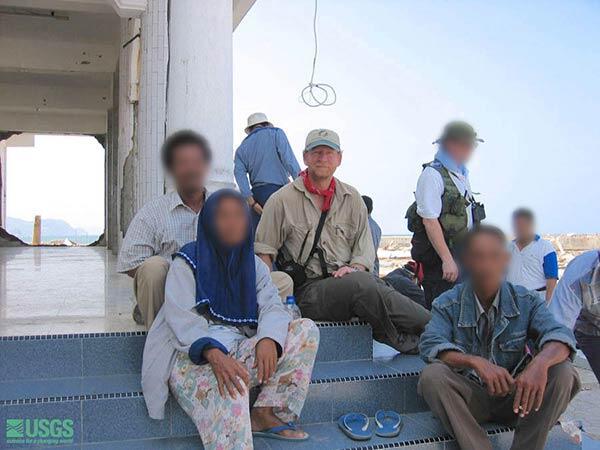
261,194
433,283
590,346
433,289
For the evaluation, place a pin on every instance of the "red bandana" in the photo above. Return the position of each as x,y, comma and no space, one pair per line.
327,194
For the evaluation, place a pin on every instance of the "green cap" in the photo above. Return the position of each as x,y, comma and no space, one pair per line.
322,136
459,131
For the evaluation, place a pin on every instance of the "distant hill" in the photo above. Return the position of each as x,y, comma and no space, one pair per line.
51,229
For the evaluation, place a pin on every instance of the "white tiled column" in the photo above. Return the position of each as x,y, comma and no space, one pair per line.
200,86
186,81
150,126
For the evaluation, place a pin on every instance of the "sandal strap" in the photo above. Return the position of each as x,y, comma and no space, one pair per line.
355,417
388,414
280,428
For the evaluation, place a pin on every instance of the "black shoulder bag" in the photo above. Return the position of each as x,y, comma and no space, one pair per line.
296,270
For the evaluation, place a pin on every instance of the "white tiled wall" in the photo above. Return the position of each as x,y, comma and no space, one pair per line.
152,102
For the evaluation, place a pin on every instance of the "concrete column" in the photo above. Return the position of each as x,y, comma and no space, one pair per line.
200,86
2,183
150,127
185,81
129,65
111,229
37,231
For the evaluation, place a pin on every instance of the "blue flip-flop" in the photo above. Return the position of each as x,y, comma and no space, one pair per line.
389,423
273,433
355,426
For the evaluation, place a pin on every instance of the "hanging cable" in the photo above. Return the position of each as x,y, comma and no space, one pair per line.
317,94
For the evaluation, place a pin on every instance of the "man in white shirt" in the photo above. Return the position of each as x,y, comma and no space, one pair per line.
533,263
445,209
165,224
576,304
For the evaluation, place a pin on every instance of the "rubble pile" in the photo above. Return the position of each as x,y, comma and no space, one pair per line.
394,251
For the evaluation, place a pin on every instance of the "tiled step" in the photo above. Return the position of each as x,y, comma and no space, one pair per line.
110,408
98,354
420,432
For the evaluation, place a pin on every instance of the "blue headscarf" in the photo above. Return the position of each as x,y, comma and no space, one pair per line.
446,160
225,276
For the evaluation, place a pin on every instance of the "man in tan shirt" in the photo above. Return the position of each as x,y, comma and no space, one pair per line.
337,285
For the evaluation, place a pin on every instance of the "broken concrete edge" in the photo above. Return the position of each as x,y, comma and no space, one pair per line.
100,242
563,242
10,240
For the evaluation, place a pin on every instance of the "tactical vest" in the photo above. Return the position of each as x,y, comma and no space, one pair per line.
453,217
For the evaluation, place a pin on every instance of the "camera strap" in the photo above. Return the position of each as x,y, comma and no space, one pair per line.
315,246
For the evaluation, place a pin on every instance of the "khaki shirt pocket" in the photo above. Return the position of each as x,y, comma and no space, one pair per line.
298,235
346,231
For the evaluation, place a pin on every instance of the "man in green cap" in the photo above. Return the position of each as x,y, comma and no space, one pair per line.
317,231
445,209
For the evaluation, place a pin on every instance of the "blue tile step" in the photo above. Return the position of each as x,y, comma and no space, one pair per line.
111,408
98,354
420,432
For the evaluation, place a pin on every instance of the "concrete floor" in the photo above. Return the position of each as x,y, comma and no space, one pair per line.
584,407
57,290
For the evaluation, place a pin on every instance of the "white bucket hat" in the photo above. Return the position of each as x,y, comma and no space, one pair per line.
255,119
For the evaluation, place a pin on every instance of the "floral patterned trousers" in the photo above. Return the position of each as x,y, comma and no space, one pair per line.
223,422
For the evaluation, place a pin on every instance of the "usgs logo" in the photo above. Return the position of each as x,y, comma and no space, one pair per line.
39,431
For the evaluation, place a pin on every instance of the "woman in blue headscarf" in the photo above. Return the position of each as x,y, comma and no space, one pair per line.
223,330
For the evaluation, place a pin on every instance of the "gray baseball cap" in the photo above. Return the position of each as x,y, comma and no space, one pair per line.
322,136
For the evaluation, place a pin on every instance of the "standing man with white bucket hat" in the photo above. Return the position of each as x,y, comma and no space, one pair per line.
263,163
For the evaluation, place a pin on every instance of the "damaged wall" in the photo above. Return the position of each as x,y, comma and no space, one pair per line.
127,106
150,128
183,83
2,183
111,228
142,91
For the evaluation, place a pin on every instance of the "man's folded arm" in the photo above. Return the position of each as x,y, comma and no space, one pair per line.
240,173
287,154
137,246
437,339
458,359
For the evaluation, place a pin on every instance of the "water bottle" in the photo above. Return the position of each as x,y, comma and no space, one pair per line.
290,305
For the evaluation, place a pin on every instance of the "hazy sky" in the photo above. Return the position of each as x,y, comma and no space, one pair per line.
525,74
62,177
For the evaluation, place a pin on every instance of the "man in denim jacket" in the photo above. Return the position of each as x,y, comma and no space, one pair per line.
475,342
